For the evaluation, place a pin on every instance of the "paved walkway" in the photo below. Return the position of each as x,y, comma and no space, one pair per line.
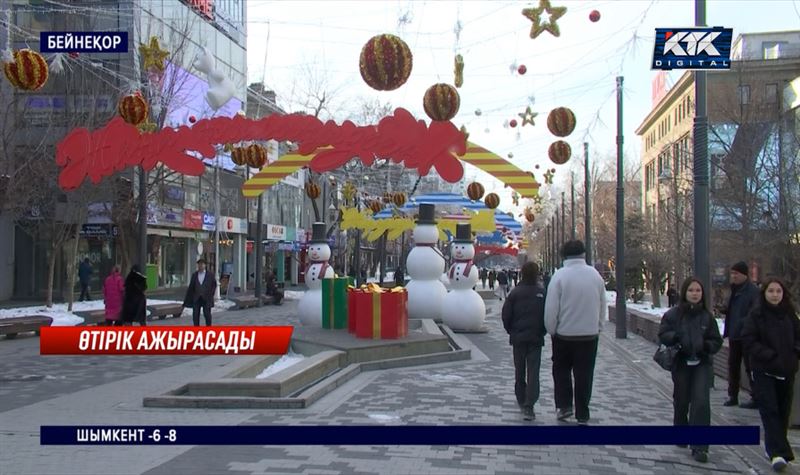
629,389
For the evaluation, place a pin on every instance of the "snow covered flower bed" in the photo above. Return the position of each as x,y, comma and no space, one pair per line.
284,362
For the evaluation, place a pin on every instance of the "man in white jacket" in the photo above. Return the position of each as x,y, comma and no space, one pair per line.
574,312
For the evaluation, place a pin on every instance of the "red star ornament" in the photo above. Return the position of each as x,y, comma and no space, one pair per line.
535,15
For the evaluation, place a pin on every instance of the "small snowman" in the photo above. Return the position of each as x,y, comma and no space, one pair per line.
463,309
319,252
425,264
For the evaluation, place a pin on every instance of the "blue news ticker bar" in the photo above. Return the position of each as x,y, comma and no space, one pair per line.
399,435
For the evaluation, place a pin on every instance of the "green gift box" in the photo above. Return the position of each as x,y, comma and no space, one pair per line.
334,303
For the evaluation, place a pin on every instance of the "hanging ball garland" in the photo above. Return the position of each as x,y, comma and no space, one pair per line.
312,190
492,201
529,215
385,62
399,199
192,119
561,121
256,155
133,108
441,102
387,197
559,152
522,69
27,71
512,123
594,16
475,191
376,206
239,156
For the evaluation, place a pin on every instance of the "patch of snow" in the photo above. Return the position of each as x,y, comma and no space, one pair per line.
383,417
284,362
293,294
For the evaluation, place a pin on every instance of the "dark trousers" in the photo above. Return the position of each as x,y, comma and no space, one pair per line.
206,306
527,360
574,358
84,291
690,396
736,354
774,398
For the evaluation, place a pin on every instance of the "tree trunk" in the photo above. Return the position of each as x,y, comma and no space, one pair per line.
51,272
71,258
655,292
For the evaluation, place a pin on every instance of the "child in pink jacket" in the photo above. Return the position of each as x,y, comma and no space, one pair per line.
113,291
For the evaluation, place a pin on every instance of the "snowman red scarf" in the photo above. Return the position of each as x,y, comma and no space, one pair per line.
467,267
322,269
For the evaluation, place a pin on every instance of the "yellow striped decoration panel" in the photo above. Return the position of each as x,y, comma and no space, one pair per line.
522,182
275,172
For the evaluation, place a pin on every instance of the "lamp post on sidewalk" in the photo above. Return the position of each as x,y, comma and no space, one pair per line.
621,310
702,267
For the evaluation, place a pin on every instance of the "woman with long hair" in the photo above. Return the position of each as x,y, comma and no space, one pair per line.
771,336
691,326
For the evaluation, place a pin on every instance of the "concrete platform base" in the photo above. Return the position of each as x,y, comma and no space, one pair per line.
333,357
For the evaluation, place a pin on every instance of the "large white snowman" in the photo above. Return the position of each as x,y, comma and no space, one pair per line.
319,252
425,265
463,309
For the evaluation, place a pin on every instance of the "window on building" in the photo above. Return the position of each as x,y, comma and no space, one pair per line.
744,95
771,94
772,49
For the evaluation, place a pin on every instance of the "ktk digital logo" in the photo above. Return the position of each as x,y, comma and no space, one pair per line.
692,48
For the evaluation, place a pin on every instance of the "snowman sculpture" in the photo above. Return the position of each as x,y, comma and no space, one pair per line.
319,252
425,264
463,309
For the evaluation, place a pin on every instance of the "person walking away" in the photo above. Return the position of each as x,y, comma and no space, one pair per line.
523,320
134,302
113,293
691,325
672,295
516,277
484,274
502,282
200,294
84,273
743,295
492,278
574,312
771,337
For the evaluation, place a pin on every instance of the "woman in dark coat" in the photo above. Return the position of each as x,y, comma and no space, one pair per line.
134,304
691,326
523,320
771,337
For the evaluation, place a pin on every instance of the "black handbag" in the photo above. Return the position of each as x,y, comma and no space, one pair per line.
666,355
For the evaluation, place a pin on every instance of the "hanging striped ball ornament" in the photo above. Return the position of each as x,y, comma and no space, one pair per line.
256,155
133,108
312,190
492,201
385,62
561,121
399,199
529,215
559,152
475,191
239,156
28,70
441,102
376,206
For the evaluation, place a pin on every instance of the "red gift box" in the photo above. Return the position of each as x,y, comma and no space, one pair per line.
379,315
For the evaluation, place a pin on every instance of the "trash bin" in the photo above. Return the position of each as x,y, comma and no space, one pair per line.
152,276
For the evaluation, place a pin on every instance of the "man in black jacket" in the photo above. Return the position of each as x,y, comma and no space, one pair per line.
200,293
743,295
523,319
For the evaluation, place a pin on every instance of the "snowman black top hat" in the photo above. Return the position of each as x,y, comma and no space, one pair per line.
318,234
427,214
463,233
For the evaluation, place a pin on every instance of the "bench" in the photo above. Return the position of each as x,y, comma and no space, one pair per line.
244,301
163,309
10,327
92,317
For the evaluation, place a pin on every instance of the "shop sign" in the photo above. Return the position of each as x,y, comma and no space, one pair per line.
209,220
285,246
276,232
98,230
171,218
249,247
192,219
233,225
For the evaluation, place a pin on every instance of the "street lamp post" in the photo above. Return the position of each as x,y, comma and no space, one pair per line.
572,206
587,205
621,310
702,268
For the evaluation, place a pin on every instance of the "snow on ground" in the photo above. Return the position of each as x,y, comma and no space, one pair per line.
611,297
284,362
293,294
62,318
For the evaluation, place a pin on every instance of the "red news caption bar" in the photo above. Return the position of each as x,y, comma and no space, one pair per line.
165,341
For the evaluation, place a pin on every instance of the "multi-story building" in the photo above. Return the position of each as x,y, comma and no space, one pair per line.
752,143
181,214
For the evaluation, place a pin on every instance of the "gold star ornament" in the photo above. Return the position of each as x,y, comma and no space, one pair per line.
535,15
528,116
152,55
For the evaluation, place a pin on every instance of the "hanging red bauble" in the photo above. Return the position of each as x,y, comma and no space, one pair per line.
594,16
561,121
492,201
312,190
512,123
475,191
27,71
192,119
441,102
559,152
385,62
133,108
522,69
